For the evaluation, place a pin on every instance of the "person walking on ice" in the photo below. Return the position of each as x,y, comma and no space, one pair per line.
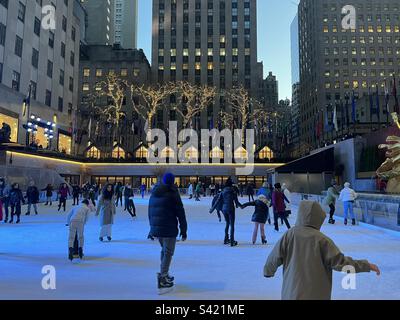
76,221
309,257
348,196
259,217
106,209
166,211
32,196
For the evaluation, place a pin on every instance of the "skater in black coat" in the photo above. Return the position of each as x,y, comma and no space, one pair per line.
16,198
229,200
218,208
32,195
260,216
49,194
165,212
250,192
76,191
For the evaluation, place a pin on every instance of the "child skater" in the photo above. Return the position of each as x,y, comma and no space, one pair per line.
218,207
260,216
16,198
77,219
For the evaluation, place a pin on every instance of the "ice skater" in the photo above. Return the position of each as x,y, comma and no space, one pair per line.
218,207
63,194
76,191
309,257
259,217
330,201
32,196
278,203
143,190
77,218
190,191
348,196
131,206
288,196
128,192
4,199
229,200
166,211
106,209
118,193
49,195
16,198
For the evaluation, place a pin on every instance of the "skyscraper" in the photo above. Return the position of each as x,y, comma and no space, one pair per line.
112,22
294,38
337,63
210,42
126,23
100,15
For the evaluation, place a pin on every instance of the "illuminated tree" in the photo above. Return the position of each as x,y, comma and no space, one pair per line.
150,100
193,100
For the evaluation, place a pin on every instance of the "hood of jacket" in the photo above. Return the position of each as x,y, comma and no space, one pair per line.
310,214
161,189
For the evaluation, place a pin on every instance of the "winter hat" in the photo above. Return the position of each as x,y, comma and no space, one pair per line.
278,186
347,185
263,198
169,179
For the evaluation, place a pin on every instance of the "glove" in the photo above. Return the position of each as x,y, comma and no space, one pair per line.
183,236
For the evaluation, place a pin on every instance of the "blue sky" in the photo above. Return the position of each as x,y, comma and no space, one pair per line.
274,19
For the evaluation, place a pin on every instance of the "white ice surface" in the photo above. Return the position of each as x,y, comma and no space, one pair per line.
204,268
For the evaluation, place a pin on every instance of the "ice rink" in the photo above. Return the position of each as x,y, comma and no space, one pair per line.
204,268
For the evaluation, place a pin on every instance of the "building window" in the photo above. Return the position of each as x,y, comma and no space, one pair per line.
72,59
118,153
48,98
93,153
15,80
21,12
86,72
60,104
2,34
13,123
51,39
36,27
18,46
63,50
64,143
49,69
4,3
35,58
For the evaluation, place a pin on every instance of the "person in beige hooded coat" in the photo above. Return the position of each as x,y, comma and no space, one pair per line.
308,258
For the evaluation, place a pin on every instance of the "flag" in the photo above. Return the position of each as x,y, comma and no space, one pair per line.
387,97
335,120
378,105
347,112
27,100
353,108
396,104
371,103
90,129
326,121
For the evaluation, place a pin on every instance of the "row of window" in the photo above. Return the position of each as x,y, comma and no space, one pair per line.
99,72
363,29
362,40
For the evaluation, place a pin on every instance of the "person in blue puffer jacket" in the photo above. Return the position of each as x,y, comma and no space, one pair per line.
166,211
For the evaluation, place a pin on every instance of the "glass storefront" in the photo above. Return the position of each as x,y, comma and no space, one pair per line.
64,143
13,123
41,140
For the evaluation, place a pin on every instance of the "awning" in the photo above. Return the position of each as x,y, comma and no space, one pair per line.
323,161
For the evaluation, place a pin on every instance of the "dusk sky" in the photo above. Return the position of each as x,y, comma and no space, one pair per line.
274,19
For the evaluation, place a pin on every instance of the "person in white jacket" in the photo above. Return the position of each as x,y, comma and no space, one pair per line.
76,221
288,195
190,191
348,196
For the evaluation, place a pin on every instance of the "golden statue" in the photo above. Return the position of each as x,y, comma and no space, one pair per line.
390,169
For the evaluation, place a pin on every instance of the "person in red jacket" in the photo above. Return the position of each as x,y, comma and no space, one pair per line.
63,193
278,203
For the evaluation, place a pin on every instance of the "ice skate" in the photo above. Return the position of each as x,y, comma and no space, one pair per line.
28,214
345,222
353,222
71,254
227,241
264,240
234,243
150,237
101,239
80,253
164,286
331,221
6,220
109,238
18,221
